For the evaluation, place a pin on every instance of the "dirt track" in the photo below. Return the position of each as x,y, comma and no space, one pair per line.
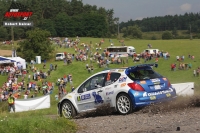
183,114
5,52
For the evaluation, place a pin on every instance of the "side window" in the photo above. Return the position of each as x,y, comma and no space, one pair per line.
111,78
93,83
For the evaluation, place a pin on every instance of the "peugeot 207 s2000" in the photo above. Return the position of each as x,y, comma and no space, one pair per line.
124,89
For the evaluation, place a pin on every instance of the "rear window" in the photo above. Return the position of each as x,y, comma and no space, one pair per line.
58,55
143,74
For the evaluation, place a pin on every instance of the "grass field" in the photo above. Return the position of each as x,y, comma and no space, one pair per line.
77,69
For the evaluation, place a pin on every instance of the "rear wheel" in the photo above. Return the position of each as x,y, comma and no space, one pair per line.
124,104
68,110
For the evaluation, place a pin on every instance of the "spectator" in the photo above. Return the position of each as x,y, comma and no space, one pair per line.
56,66
73,88
194,72
177,58
11,102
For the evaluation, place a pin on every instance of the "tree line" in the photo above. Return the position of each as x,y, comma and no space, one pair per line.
188,21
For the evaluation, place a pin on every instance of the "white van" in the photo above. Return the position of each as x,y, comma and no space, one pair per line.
60,56
121,51
151,51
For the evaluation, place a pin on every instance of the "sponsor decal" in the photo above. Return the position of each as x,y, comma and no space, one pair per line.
120,70
168,95
110,93
124,84
115,86
122,79
165,79
108,88
83,97
98,99
156,83
113,70
152,97
136,93
157,87
142,82
69,96
145,94
155,80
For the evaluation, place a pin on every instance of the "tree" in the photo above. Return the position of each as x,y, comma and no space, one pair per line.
3,33
175,33
18,33
36,44
132,32
167,35
48,25
64,25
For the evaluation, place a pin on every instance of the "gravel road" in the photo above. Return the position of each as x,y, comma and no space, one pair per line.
164,118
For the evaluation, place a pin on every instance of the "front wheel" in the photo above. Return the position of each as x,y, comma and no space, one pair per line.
68,110
124,104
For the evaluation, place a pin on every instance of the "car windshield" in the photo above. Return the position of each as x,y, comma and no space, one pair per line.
143,74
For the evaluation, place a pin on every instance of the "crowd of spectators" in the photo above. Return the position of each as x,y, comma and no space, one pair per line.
62,84
21,84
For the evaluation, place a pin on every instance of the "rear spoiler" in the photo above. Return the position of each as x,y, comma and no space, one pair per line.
142,65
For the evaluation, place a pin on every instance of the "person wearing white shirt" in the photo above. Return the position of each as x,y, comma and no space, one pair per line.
25,96
177,58
7,84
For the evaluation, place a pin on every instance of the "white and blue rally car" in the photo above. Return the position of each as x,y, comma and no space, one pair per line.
124,89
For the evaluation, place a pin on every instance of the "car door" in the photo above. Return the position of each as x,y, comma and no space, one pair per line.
90,94
110,86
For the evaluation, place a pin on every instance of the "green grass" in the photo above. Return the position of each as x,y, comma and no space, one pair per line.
77,69
38,124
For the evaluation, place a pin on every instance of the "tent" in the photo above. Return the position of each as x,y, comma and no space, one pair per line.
5,60
19,61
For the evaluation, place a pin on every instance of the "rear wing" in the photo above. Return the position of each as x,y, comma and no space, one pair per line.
143,65
128,70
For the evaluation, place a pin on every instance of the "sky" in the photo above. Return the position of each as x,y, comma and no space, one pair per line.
139,9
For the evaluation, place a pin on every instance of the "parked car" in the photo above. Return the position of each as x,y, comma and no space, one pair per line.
60,56
124,89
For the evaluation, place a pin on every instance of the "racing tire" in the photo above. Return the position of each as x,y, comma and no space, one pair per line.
67,110
124,104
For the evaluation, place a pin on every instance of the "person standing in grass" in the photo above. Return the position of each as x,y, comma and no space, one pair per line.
194,72
55,66
11,102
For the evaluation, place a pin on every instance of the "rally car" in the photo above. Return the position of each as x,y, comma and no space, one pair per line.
123,89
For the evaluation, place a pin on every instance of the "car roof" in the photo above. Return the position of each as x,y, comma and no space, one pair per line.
122,69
